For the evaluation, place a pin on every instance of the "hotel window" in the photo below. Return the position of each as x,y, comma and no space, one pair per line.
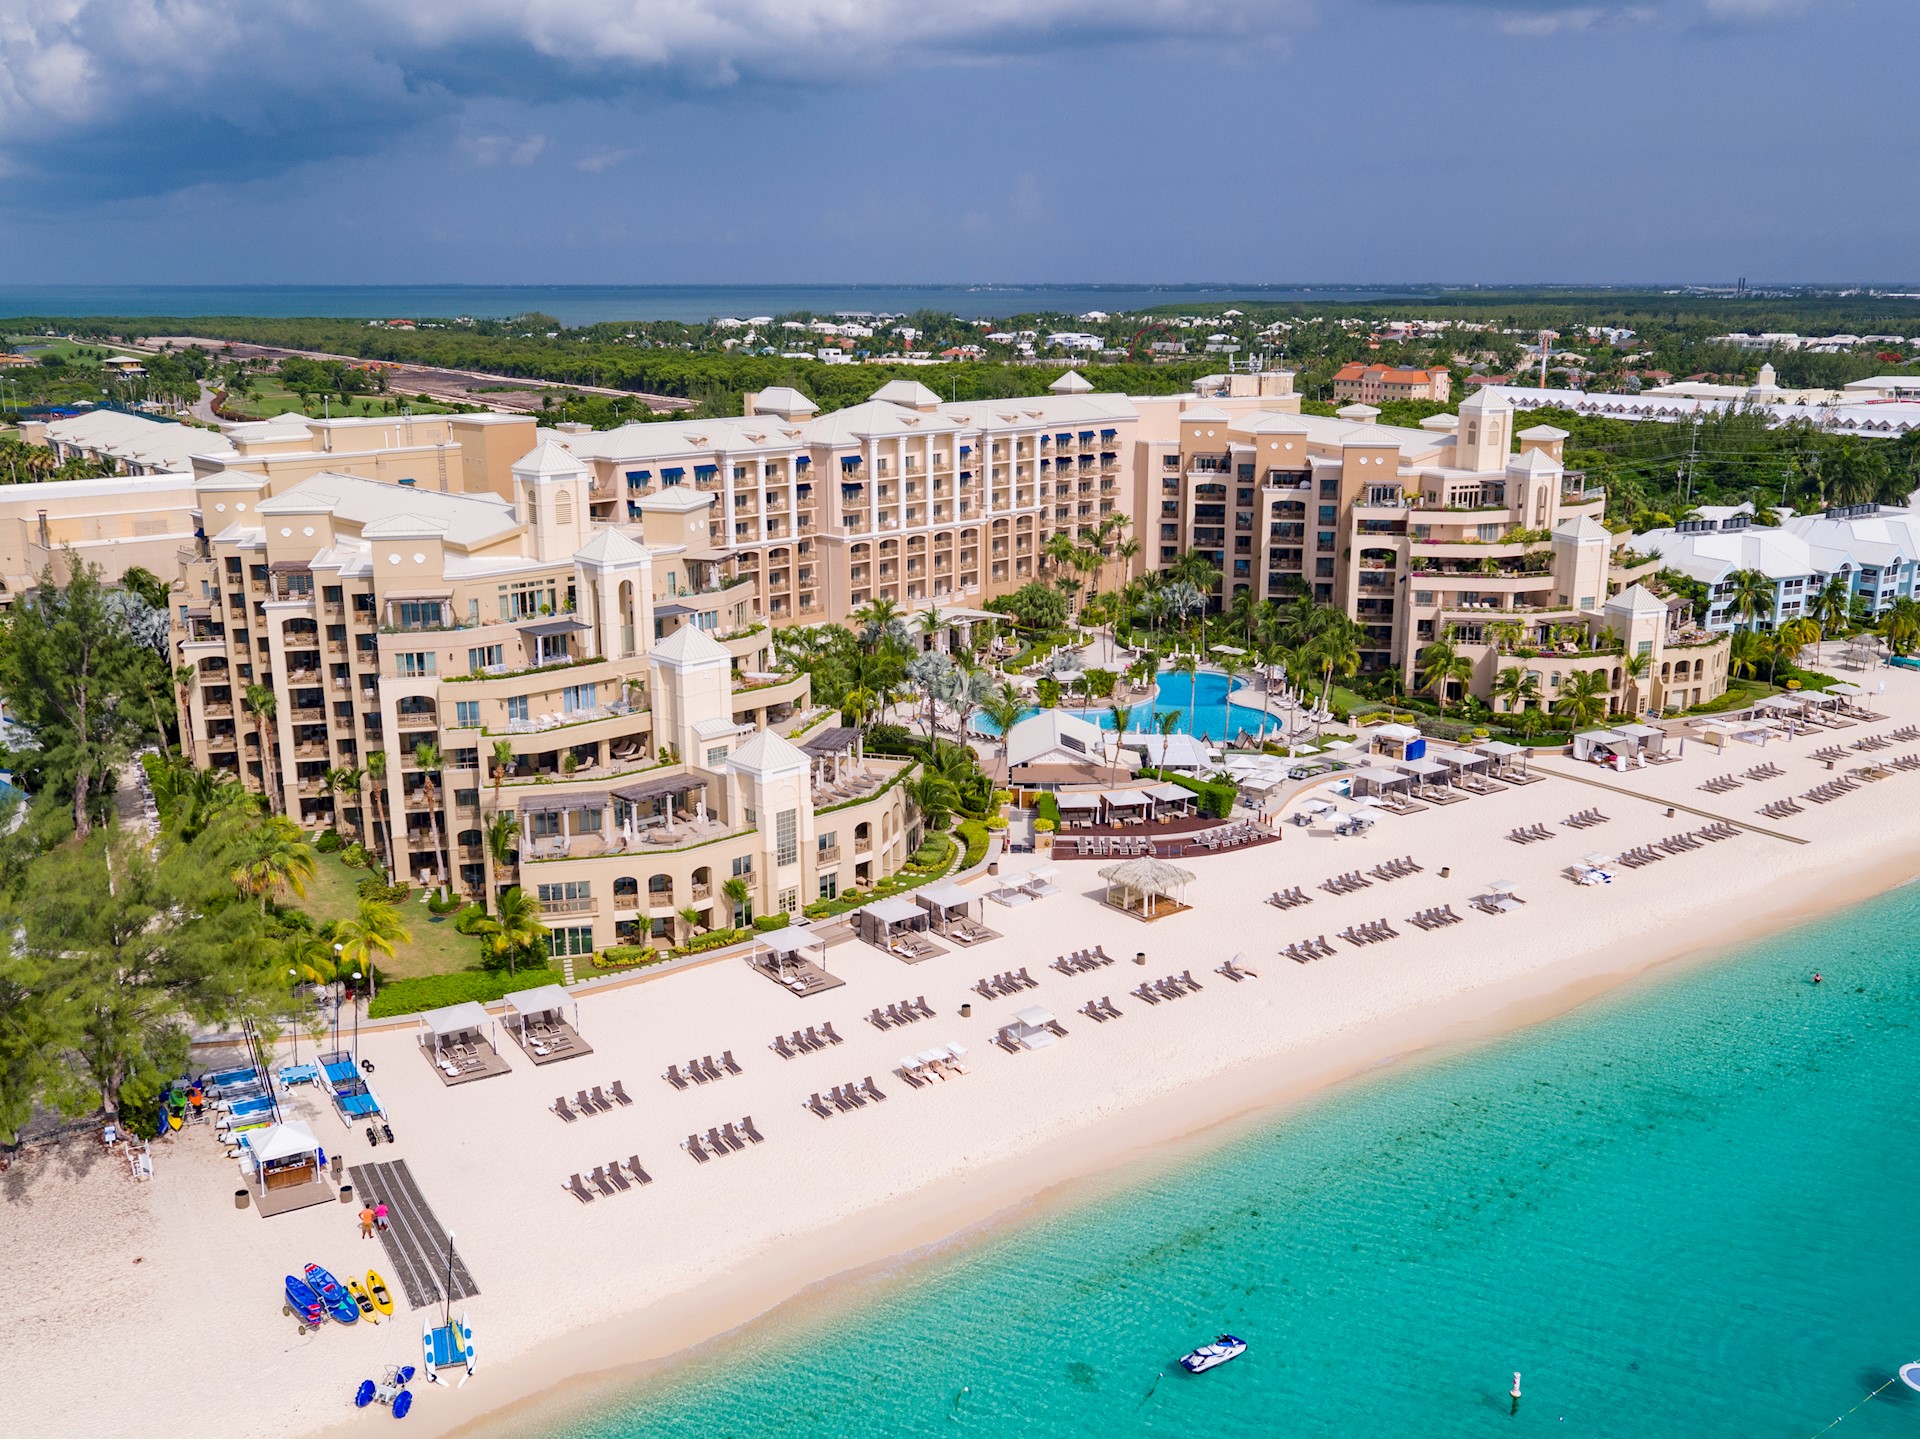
417,614
790,900
519,601
573,940
786,831
466,714
716,756
577,699
413,664
543,824
466,798
743,867
830,839
829,886
516,707
481,656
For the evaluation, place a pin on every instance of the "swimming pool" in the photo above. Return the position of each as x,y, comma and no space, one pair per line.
1200,701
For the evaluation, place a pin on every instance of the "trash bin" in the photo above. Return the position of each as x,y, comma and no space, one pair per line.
334,1161
346,1194
966,1011
242,1198
1140,957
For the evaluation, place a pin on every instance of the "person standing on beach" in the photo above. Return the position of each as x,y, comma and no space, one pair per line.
366,1223
380,1215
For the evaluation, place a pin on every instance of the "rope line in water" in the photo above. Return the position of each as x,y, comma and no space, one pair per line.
1818,1432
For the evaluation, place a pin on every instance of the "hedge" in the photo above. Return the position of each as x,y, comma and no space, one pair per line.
768,922
410,996
974,832
1216,796
1048,808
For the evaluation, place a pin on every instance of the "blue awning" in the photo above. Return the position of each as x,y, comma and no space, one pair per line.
802,462
639,474
701,472
1108,434
1085,435
966,449
1065,439
847,462
673,474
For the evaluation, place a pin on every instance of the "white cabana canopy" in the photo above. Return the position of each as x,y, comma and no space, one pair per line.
1396,731
946,896
1848,688
455,1019
1463,759
896,909
1499,748
790,941
1165,793
547,999
1077,801
1640,731
289,1140
1034,1017
1421,767
1788,703
1378,777
1125,797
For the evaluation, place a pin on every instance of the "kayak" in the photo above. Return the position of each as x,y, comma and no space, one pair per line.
377,1287
305,1304
1212,1356
361,1298
340,1305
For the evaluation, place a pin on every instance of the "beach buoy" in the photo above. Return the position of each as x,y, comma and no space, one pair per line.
1514,1393
1910,1375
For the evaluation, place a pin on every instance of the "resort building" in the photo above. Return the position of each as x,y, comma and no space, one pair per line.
1874,549
131,444
633,684
1373,384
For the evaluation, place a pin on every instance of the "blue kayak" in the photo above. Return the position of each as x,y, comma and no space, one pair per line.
342,1308
305,1304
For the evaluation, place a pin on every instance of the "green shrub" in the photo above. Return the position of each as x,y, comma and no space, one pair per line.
1048,808
410,996
767,923
1043,826
354,856
443,902
465,921
712,939
996,821
328,841
375,887
627,956
974,833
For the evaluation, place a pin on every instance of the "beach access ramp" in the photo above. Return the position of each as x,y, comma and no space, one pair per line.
415,1241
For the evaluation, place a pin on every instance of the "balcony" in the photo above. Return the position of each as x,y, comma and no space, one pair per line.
566,906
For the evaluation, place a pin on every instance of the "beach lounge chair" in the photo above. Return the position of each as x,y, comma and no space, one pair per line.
600,1180
813,1103
826,1033
600,1100
866,1086
674,1077
693,1146
734,1137
616,1178
781,1047
620,1094
746,1127
584,1104
560,1108
726,1061
640,1176
578,1190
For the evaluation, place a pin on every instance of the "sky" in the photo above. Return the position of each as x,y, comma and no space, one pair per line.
890,141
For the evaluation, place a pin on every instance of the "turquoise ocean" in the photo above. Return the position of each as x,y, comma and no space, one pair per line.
1688,1208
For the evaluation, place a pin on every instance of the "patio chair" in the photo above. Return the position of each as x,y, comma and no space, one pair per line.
640,1176
826,1032
616,1178
560,1108
620,1094
578,1190
600,1180
726,1060
746,1127
693,1146
600,1100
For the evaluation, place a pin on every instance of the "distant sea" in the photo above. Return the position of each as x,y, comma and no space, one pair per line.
597,304
1688,1209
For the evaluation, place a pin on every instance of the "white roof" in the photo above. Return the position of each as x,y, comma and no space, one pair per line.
539,1001
690,645
1077,801
284,1141
894,909
785,401
551,459
1071,383
1054,736
768,753
157,443
674,500
792,941
612,547
1712,555
946,894
1636,600
455,1018
376,508
1176,751
906,392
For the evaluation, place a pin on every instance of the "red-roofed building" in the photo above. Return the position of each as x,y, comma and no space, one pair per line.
1371,384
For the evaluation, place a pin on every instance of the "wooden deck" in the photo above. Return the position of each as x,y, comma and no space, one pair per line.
299,1196
481,1063
548,1043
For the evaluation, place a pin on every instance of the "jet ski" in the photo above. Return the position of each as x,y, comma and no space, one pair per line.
1212,1356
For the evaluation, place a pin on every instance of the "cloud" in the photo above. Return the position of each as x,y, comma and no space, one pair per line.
143,96
601,160
1556,17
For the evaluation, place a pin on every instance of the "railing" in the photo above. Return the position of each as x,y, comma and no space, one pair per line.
566,906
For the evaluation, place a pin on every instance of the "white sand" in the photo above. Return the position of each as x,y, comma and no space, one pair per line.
192,1336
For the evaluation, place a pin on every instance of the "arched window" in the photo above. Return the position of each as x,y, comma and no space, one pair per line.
562,508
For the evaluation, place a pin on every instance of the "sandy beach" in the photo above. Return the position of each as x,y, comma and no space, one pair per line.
182,1289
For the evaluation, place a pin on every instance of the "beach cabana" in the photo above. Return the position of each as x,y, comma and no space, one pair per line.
796,960
891,924
1603,744
1033,1028
1508,761
1397,741
461,1042
1134,802
948,904
1147,887
1499,898
546,1022
1078,807
1170,801
1039,882
1379,780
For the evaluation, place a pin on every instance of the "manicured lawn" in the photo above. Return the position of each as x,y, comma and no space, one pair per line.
436,947
269,399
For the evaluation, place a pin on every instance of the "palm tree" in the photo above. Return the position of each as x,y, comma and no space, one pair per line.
967,692
502,762
932,793
277,858
1122,717
346,779
513,931
1245,610
1335,651
503,838
374,929
1125,551
1636,668
1752,596
1831,605
261,704
426,754
183,678
740,895
1515,688
1901,627
1797,634
876,618
1745,653
1004,706
377,779
1583,698
313,960
1441,664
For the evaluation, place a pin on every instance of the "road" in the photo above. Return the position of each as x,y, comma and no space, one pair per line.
511,394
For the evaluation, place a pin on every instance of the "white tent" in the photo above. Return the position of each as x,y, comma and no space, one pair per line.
525,1004
785,943
285,1141
943,899
454,1019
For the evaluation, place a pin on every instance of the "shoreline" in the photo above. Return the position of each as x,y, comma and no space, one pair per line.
888,1249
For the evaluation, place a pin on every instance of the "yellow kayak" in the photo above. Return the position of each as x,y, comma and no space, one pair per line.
377,1286
360,1298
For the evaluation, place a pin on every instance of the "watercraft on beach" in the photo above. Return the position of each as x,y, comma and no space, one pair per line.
448,1346
340,1305
377,1287
363,1300
1212,1356
304,1304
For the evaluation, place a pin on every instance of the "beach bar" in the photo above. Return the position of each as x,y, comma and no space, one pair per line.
461,1042
1147,887
289,1169
539,1020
